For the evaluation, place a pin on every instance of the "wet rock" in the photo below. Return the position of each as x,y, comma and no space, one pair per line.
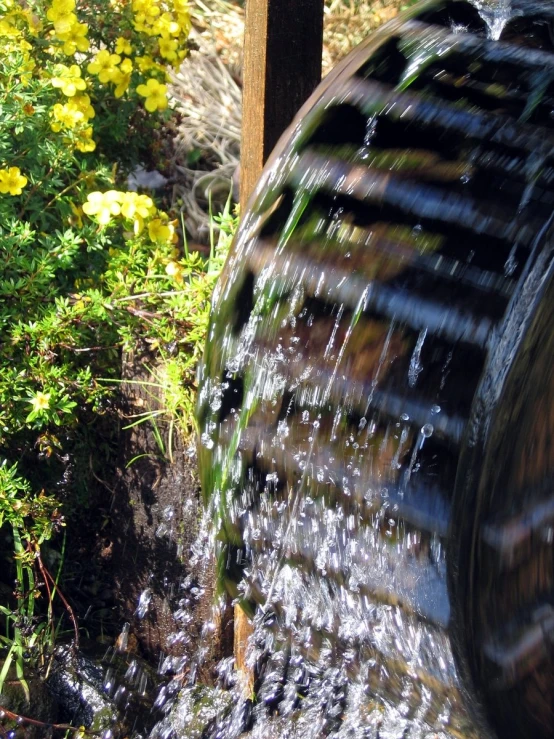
196,710
77,685
154,522
141,178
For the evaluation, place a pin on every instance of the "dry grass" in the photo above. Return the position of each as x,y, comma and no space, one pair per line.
348,22
207,93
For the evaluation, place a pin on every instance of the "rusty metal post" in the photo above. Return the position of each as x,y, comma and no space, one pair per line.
283,42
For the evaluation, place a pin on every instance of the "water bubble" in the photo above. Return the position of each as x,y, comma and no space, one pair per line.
207,441
404,417
435,409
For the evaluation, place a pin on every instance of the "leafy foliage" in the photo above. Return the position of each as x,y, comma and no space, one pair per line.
88,268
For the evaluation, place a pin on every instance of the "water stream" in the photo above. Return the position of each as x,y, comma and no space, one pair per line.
496,14
335,394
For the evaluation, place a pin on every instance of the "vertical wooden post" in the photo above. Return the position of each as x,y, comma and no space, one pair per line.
283,43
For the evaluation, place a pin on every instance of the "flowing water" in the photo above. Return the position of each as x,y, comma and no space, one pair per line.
496,13
337,389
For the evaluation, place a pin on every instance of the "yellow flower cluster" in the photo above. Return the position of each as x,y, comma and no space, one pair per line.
12,181
74,114
77,110
67,29
12,40
133,208
110,68
169,23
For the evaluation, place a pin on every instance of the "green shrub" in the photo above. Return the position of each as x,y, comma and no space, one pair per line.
88,269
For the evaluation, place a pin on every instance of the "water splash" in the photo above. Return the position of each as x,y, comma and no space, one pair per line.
496,14
324,424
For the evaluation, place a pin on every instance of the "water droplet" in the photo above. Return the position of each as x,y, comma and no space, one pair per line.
144,603
404,417
416,367
435,409
427,430
123,638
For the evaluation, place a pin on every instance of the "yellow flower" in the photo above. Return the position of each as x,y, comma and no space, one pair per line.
62,16
40,402
104,66
103,205
82,103
133,204
77,110
148,8
123,46
6,28
181,6
68,79
167,26
60,7
75,39
155,94
65,116
145,63
84,141
12,181
136,208
121,82
173,269
160,232
168,48
122,78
